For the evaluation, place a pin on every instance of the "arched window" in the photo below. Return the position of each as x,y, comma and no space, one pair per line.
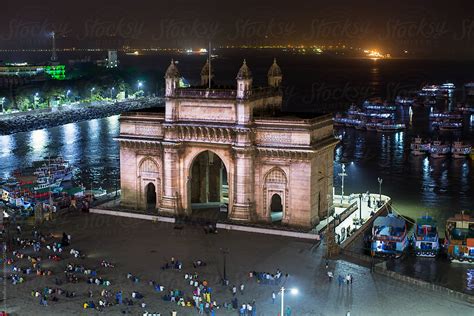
276,176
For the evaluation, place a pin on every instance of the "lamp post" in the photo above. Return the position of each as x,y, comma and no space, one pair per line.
35,99
293,291
380,180
225,252
360,208
68,92
139,86
92,90
343,174
3,102
111,92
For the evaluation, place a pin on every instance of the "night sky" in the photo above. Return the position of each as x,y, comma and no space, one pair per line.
425,27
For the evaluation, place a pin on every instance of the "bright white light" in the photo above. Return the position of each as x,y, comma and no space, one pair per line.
294,291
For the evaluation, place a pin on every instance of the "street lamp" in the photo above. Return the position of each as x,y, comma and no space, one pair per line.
139,86
92,90
293,291
380,180
225,252
68,92
360,209
35,99
3,102
342,175
111,92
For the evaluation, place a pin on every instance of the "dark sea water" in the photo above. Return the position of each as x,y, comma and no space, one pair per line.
418,185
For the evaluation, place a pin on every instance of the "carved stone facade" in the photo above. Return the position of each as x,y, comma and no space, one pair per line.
266,158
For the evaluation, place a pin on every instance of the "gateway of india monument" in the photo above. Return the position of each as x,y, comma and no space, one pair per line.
230,152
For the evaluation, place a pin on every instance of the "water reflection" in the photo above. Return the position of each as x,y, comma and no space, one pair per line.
89,146
39,140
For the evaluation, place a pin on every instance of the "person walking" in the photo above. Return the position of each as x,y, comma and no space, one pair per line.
234,290
330,275
350,278
340,279
273,297
242,289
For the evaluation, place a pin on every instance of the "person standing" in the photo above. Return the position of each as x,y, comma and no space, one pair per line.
234,290
242,289
273,297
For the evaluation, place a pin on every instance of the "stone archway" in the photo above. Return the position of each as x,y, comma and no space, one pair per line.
276,208
275,195
150,194
208,187
149,181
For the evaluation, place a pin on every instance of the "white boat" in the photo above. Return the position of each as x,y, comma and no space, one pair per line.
389,127
449,126
439,150
47,185
460,150
418,147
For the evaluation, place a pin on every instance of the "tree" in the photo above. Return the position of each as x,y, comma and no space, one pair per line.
23,103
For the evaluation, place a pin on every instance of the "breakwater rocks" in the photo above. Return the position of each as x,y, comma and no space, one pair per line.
28,121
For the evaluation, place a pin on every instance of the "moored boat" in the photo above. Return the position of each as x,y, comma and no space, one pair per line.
390,127
459,241
389,236
439,150
419,147
425,238
460,150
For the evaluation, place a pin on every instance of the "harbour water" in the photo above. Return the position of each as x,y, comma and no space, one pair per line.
417,185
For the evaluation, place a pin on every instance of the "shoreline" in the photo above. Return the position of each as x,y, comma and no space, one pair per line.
29,121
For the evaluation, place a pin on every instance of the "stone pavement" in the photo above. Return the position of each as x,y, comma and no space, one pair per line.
142,247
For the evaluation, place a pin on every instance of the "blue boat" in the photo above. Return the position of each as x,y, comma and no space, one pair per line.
389,236
425,238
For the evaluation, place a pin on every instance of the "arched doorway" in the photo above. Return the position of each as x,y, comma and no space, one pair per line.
150,196
208,187
276,208
275,194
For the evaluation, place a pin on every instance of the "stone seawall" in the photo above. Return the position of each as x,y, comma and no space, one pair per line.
381,269
23,122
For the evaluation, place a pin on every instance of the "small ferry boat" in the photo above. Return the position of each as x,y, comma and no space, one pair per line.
389,236
390,127
460,150
425,238
419,147
449,126
405,100
378,105
439,150
459,241
446,116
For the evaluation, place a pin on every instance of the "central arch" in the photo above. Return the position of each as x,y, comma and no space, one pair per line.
208,186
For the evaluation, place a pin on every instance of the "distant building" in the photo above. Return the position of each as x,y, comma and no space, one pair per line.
41,72
110,62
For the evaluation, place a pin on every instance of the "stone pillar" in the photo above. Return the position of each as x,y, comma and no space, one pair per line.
244,197
170,180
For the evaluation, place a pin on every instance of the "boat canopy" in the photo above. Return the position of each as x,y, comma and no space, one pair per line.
426,220
395,222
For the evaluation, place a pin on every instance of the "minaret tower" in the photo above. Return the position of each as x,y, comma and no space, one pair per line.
172,79
205,73
244,81
274,75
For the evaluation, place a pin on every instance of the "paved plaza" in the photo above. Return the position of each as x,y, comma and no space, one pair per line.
142,247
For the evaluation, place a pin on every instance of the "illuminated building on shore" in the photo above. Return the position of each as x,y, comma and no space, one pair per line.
230,151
